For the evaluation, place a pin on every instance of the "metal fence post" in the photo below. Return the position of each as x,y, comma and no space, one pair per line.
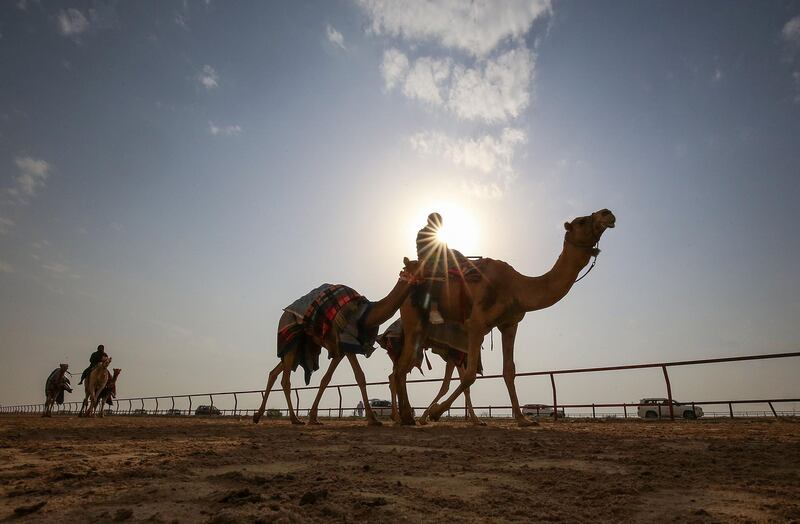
625,410
555,397
235,404
773,409
593,414
339,390
297,398
730,408
156,405
669,393
130,406
190,404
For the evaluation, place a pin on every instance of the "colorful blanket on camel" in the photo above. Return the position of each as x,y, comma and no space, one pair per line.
331,310
448,340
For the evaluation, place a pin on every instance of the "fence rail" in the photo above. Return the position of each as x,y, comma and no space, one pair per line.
74,407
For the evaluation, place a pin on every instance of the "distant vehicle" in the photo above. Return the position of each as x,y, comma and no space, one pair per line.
541,410
383,408
207,410
173,412
140,411
653,408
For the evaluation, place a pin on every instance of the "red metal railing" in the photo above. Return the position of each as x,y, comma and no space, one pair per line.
69,407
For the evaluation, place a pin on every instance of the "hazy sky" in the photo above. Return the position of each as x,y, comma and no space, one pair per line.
172,174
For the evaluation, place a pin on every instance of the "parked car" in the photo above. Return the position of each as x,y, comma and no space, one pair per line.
207,410
173,412
652,408
383,408
541,410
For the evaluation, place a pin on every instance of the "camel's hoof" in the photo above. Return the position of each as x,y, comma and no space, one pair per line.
478,422
422,421
408,422
525,423
374,422
314,422
297,422
435,415
256,418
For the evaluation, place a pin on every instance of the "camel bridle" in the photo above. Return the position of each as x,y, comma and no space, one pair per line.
594,249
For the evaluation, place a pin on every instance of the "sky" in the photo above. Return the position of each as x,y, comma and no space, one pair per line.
173,174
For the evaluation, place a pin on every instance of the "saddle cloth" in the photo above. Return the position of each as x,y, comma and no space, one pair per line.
329,309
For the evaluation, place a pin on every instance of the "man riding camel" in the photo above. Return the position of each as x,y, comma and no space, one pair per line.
433,252
94,360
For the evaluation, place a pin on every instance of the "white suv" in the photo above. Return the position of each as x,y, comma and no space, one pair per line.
659,408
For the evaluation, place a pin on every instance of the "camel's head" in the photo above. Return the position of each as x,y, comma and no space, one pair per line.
105,362
586,231
411,270
63,367
117,371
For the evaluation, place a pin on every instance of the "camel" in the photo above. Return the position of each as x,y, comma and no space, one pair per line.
55,386
392,341
500,298
94,384
358,313
109,391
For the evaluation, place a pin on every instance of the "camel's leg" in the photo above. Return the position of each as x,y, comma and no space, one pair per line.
270,381
393,393
475,333
468,401
372,420
312,415
448,374
46,412
82,412
102,401
286,383
412,327
509,333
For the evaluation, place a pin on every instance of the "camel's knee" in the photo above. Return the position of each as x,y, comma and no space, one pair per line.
286,381
468,378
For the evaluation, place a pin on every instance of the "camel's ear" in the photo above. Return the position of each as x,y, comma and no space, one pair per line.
405,261
567,226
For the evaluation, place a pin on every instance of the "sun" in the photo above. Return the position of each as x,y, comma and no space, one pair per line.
459,228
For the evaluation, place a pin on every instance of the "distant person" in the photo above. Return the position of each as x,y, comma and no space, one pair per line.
432,251
360,408
94,360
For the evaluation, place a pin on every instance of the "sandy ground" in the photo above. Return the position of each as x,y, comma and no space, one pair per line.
192,469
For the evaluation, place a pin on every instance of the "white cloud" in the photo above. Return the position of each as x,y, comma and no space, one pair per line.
489,156
180,21
394,67
72,22
208,78
231,130
6,225
334,36
476,27
5,268
425,79
791,31
497,91
33,175
56,267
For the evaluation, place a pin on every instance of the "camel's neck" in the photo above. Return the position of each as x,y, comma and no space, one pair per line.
383,309
540,292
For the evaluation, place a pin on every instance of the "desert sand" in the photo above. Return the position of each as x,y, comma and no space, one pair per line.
193,469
